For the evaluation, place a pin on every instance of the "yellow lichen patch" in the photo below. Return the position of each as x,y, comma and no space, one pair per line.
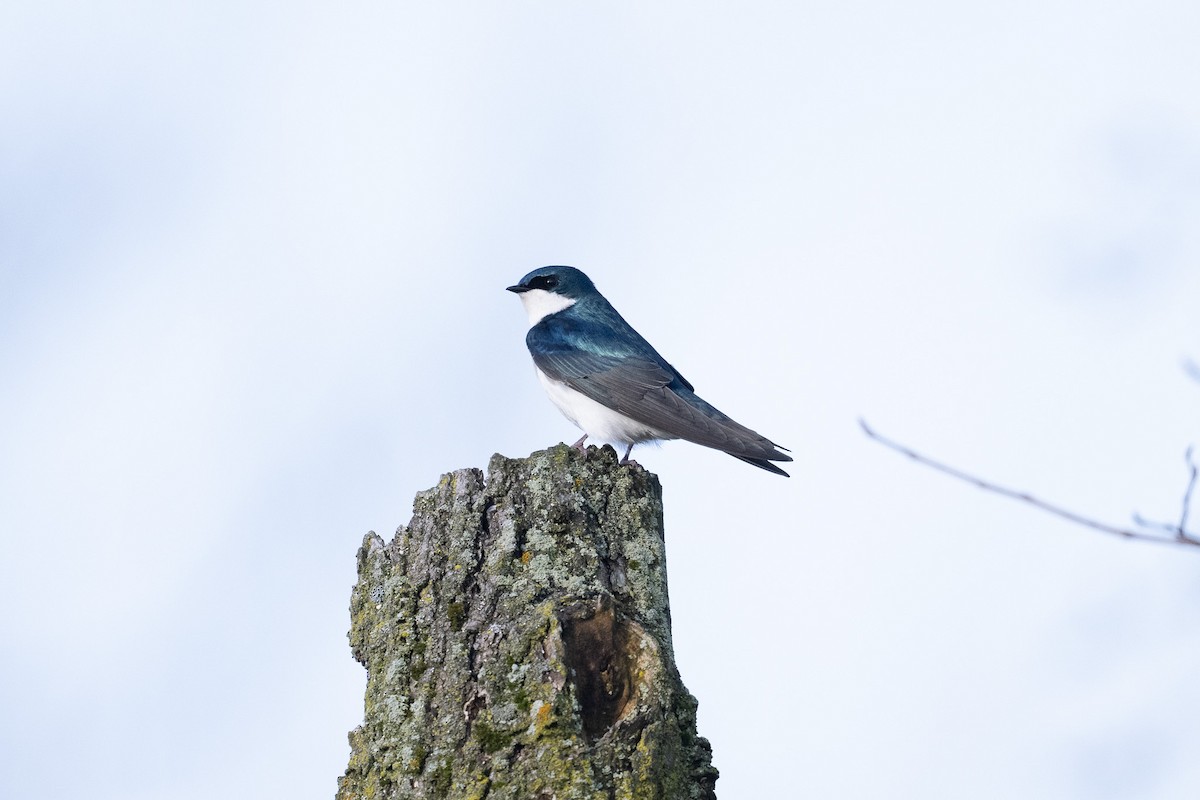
542,714
526,556
542,717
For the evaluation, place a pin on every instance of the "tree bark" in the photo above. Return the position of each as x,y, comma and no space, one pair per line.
517,640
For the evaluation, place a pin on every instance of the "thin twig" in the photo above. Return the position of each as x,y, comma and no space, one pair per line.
1182,533
1178,530
1192,369
1168,527
1180,537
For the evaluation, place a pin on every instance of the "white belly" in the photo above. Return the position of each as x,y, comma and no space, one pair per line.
596,420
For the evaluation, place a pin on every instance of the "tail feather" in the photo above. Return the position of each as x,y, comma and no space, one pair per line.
763,463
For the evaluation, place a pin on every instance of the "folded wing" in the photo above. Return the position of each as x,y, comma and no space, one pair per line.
640,384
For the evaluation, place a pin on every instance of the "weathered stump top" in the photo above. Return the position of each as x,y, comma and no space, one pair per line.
517,640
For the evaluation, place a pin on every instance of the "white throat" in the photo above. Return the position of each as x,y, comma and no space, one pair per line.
540,304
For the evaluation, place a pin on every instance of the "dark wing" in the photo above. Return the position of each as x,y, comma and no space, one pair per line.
628,376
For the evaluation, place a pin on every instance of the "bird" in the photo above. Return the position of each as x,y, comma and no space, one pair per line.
606,379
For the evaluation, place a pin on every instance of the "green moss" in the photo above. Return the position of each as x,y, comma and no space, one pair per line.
457,613
439,779
489,738
417,667
417,762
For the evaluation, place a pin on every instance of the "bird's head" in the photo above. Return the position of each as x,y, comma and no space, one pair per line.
548,290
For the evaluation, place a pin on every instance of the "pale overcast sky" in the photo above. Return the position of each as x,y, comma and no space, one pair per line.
252,261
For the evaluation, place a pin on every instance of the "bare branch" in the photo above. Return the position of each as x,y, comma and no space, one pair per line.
1180,534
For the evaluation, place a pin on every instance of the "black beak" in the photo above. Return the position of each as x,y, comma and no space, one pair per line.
518,289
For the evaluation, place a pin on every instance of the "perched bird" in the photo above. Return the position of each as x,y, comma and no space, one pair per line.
611,383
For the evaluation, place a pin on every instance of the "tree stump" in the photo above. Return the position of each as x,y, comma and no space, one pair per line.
517,640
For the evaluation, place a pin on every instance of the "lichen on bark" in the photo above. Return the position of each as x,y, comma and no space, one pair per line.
517,640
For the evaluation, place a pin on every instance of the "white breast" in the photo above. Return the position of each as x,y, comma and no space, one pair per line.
596,420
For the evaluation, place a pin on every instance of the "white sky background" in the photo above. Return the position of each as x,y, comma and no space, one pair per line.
252,262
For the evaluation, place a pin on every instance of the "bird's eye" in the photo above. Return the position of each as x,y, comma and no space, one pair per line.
543,282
